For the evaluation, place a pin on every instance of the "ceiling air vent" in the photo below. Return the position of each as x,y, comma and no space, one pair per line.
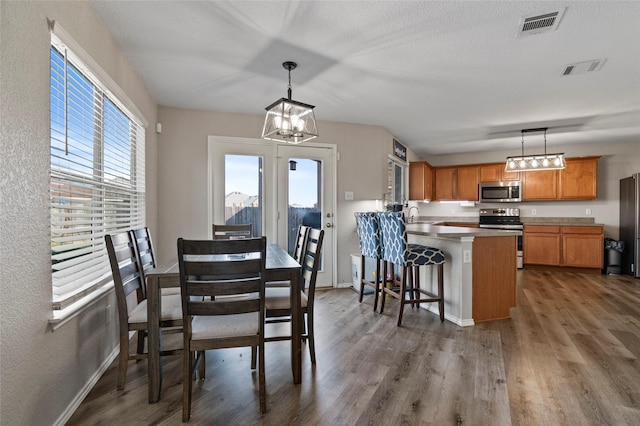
538,24
583,67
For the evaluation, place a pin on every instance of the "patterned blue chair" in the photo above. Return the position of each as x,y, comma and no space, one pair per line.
396,250
369,234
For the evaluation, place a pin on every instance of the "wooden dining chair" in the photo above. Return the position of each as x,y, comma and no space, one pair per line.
147,258
232,232
222,287
277,299
298,252
128,276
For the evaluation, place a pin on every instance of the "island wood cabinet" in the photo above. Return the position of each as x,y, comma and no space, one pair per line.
578,181
420,181
496,173
572,246
456,183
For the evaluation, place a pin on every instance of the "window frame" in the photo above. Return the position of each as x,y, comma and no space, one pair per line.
108,192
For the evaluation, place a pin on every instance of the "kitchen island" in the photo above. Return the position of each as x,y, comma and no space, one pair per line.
479,272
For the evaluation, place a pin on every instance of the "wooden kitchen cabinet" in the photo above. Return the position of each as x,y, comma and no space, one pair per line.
456,183
420,181
468,180
571,246
583,246
578,181
540,185
445,183
496,173
541,245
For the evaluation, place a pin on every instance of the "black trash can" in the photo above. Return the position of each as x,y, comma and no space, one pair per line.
613,255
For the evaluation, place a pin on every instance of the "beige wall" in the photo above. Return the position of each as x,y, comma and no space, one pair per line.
182,177
43,371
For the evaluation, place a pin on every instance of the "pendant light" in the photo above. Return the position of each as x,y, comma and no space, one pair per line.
535,162
288,120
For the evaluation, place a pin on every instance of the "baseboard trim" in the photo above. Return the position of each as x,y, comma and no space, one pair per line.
75,403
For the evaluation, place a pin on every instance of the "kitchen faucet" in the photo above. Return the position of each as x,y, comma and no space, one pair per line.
411,218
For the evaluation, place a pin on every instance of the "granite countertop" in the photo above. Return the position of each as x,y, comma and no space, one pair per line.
436,231
560,221
527,220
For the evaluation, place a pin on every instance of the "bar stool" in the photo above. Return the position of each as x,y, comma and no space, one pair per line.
369,234
396,250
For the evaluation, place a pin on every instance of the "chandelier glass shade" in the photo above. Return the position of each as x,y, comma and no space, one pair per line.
288,120
535,162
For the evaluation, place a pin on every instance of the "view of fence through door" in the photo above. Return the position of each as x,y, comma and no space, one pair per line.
243,191
307,181
305,197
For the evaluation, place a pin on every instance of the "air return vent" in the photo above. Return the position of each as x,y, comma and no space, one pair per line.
583,67
537,24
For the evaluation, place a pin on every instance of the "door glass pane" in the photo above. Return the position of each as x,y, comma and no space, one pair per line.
395,183
304,207
243,191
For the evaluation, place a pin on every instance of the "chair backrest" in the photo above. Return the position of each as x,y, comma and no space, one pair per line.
221,268
144,245
301,242
232,232
369,234
126,271
393,235
311,262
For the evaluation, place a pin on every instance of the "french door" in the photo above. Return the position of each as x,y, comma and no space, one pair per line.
275,187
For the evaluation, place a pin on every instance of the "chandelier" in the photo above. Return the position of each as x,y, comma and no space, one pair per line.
538,161
288,120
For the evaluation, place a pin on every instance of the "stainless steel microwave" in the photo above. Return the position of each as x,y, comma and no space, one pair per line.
500,192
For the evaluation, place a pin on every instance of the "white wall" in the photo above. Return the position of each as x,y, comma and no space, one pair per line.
618,161
182,163
42,371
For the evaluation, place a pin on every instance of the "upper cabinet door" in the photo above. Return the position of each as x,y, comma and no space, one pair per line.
468,179
420,181
496,173
445,183
540,185
579,181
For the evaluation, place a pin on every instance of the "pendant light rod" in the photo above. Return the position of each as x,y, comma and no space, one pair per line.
289,65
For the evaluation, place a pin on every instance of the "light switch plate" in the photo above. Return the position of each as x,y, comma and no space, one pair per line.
348,195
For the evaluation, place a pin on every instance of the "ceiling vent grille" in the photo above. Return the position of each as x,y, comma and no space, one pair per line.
583,67
538,24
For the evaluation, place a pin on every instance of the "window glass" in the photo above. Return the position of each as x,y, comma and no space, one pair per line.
96,179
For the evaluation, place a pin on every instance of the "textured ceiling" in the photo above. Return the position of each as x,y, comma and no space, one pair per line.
442,76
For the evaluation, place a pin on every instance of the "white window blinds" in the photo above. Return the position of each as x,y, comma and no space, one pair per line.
97,176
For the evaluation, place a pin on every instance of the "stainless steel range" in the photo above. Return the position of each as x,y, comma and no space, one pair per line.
503,219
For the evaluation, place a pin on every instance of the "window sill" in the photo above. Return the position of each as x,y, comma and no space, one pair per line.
62,316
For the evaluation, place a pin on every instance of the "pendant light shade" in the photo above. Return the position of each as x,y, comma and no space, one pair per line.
538,161
288,120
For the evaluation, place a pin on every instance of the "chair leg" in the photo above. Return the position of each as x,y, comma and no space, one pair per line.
202,364
377,289
362,262
187,377
261,379
384,285
141,335
416,285
441,290
312,342
254,350
403,289
123,361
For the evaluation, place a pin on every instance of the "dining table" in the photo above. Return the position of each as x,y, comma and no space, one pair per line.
279,266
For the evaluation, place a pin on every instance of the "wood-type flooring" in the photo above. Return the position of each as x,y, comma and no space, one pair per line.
568,356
